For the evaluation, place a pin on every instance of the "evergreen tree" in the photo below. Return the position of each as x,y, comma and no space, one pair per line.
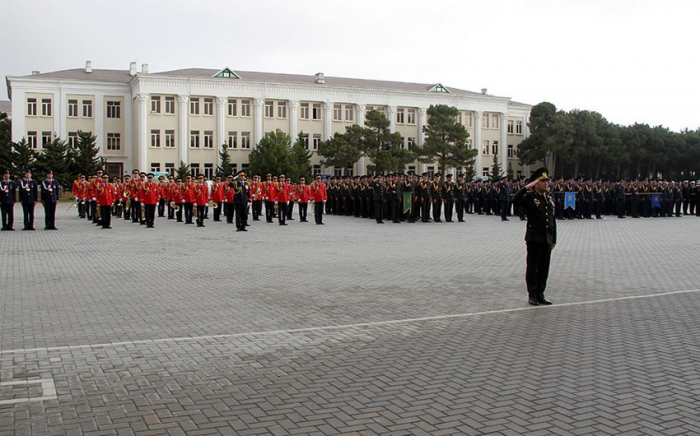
23,158
86,159
272,155
339,152
182,171
496,171
301,157
446,139
226,166
57,157
5,142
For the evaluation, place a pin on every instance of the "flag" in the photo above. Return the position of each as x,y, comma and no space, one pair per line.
655,200
570,200
406,202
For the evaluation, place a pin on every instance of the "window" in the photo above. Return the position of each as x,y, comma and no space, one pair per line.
304,111
269,109
31,140
45,138
468,119
400,116
305,140
194,169
494,121
485,121
170,168
31,107
208,139
410,116
281,109
87,108
469,144
155,104
194,106
245,108
494,148
511,151
338,172
316,111
349,112
349,171
485,147
234,168
72,108
209,106
245,140
510,127
411,142
485,171
232,107
337,112
232,139
73,139
46,107
155,138
170,105
317,169
316,141
518,127
209,171
114,109
194,139
114,141
155,167
169,139
244,167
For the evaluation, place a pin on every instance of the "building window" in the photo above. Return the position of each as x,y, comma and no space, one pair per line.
170,105
72,108
245,108
411,142
304,111
234,168
469,144
468,119
337,112
400,116
87,108
194,169
114,141
45,138
245,140
155,104
338,172
316,141
485,121
232,107
269,109
155,167
46,107
349,112
494,121
114,109
194,139
31,107
305,141
281,109
316,111
209,171
485,171
518,127
244,167
73,139
31,140
194,106
485,147
510,127
511,151
232,139
169,139
208,139
209,106
494,148
410,116
170,169
155,138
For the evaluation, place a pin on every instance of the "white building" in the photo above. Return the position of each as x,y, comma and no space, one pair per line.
152,121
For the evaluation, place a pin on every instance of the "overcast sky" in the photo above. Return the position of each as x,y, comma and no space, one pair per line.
632,61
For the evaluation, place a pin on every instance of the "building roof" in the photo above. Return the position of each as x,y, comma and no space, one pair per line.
114,76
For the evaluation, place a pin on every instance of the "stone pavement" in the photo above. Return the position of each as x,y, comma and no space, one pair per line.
348,328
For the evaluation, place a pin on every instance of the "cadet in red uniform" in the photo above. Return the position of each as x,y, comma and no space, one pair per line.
269,196
135,204
292,199
201,197
118,205
126,187
319,196
105,198
189,199
283,191
177,195
217,196
303,195
256,197
228,199
149,196
79,190
169,197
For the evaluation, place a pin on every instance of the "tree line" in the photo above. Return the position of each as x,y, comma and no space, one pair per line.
584,143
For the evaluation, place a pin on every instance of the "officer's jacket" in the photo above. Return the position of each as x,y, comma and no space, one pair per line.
541,225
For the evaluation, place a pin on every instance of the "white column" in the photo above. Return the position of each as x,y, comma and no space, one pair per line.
293,107
100,114
391,114
421,135
142,142
183,134
477,142
258,119
128,140
57,114
19,108
327,119
62,103
526,134
220,127
360,117
504,142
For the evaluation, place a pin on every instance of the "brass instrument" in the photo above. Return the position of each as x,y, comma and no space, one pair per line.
143,212
174,206
127,193
194,210
128,204
212,204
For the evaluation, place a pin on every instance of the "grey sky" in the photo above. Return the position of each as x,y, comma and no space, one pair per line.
632,61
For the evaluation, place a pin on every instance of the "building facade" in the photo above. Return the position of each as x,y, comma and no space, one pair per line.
154,121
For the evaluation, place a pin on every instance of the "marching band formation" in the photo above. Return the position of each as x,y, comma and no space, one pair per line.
397,197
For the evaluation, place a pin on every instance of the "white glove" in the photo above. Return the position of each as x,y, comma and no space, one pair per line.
94,199
136,199
275,202
143,204
76,198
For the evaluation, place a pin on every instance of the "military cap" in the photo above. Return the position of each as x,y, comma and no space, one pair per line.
49,172
241,173
540,174
449,176
6,172
178,180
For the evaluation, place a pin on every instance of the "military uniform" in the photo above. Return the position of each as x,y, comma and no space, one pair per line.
7,201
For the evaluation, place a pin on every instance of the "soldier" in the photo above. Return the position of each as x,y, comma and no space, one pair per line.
177,195
149,195
79,190
393,194
319,195
105,199
460,197
91,199
477,193
169,197
541,234
269,196
292,199
620,198
126,198
28,194
436,197
587,189
135,203
448,197
423,197
217,196
283,189
598,199
257,197
230,197
241,191
693,196
504,194
49,198
303,194
162,196
7,201
379,194
685,192
201,197
190,198
407,187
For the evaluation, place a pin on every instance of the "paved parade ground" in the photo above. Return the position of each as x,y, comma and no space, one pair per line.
348,328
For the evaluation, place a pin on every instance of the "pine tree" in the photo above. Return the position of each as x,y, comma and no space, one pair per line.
86,159
272,155
23,158
182,171
301,158
56,156
226,166
5,142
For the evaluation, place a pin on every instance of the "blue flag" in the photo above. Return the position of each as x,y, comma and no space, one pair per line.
655,200
570,200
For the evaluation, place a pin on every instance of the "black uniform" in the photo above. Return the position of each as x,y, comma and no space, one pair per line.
379,192
28,195
241,195
49,196
7,202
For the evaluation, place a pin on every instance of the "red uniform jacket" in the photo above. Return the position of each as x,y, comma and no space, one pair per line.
126,187
256,191
105,193
303,193
201,193
318,192
149,193
283,192
135,188
217,192
229,193
164,188
189,192
79,189
269,191
177,194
